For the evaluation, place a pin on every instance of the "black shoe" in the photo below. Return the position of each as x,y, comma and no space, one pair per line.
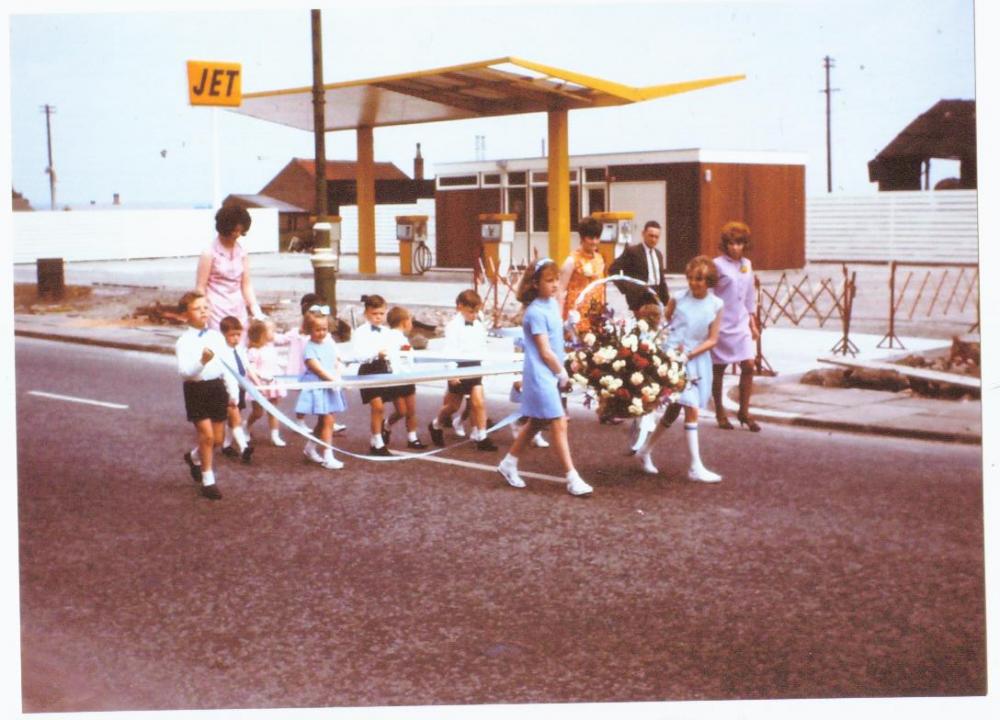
247,454
195,469
415,444
611,420
230,452
211,492
382,451
386,431
486,444
437,435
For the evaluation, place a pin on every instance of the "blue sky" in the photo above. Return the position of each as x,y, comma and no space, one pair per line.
117,81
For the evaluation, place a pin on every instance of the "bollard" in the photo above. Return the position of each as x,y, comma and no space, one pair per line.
51,282
325,261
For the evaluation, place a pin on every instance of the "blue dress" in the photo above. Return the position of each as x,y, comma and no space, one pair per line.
539,387
319,401
689,328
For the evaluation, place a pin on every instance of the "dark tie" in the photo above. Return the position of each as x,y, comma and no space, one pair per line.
376,328
202,331
239,363
470,323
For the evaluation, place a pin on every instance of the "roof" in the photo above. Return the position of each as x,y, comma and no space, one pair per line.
263,201
348,169
947,130
488,88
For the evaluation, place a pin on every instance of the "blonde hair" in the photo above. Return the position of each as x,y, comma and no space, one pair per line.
704,262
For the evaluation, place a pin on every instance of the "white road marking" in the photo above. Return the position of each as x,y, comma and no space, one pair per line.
480,466
85,401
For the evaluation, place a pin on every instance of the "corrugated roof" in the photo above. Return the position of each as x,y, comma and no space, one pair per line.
947,130
503,86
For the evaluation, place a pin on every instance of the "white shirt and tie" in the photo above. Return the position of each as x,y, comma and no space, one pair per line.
652,267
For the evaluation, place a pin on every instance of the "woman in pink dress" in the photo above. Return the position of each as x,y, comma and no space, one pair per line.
739,332
224,270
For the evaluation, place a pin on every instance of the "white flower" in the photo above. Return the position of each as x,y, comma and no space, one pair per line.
635,407
606,380
642,325
606,393
615,383
617,365
630,341
657,361
589,339
579,379
636,378
662,370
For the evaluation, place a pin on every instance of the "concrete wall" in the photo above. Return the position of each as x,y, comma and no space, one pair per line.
122,234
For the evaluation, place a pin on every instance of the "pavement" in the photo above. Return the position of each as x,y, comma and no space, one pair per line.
790,352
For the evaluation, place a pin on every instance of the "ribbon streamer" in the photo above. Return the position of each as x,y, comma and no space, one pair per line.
254,392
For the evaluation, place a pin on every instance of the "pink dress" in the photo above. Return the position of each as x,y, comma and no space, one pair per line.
295,365
736,289
224,289
264,361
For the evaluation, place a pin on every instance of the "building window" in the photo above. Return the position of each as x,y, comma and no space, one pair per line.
595,174
595,200
457,181
491,179
517,178
517,203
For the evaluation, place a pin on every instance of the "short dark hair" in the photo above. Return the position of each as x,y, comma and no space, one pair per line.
397,316
589,227
308,300
257,331
229,216
469,298
373,301
651,224
230,323
188,298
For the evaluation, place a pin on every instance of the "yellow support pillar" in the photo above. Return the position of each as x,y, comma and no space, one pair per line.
366,200
558,194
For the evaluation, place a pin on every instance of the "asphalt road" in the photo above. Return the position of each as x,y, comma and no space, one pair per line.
823,566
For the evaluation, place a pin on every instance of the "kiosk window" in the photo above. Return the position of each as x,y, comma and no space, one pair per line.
517,178
517,202
540,208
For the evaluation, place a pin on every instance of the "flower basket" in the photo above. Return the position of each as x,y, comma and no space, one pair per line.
621,366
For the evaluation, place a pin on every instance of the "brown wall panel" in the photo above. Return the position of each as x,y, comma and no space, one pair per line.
457,223
768,198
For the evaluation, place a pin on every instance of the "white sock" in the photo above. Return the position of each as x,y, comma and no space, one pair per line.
691,433
509,459
573,475
240,437
435,424
411,435
207,478
196,456
275,435
377,441
327,455
227,439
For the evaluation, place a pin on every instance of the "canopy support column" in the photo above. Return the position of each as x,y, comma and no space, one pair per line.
558,192
366,200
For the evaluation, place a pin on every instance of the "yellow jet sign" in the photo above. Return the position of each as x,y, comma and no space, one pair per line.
214,83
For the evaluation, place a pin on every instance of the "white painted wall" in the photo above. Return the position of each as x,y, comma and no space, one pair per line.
908,226
385,226
122,234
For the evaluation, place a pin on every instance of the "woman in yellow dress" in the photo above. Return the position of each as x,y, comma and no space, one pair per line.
582,267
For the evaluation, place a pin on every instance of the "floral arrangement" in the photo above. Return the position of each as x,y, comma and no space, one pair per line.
622,367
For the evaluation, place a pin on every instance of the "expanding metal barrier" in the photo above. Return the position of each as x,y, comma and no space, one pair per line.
931,292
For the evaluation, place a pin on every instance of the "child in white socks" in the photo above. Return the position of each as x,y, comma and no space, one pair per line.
236,358
263,357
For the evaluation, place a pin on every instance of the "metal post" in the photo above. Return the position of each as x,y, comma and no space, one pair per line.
324,257
891,335
827,64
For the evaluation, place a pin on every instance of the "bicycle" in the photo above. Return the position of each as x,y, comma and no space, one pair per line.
421,258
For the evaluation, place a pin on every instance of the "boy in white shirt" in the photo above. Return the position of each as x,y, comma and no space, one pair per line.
236,358
465,336
400,322
209,390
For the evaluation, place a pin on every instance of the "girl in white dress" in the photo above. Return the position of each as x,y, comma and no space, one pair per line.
694,318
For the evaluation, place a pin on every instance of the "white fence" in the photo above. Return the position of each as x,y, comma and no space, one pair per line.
910,227
122,234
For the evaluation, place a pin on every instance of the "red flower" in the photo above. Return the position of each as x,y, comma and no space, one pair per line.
641,363
624,352
623,393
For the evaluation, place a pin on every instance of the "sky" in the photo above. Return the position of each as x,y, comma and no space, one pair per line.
122,123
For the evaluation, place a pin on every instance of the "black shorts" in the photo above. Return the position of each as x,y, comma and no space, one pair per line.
464,386
206,399
376,367
241,403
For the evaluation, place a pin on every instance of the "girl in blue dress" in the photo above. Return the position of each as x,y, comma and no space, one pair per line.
543,375
694,318
320,359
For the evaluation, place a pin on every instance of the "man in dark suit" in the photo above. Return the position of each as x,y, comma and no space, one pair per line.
644,262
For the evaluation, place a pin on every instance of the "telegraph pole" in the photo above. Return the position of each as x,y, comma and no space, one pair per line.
48,110
827,64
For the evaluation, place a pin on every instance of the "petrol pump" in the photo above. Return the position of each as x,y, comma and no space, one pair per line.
616,233
409,229
496,231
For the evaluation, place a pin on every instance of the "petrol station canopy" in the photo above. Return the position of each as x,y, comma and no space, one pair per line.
489,88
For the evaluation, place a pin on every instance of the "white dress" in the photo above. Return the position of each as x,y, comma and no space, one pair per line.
689,327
